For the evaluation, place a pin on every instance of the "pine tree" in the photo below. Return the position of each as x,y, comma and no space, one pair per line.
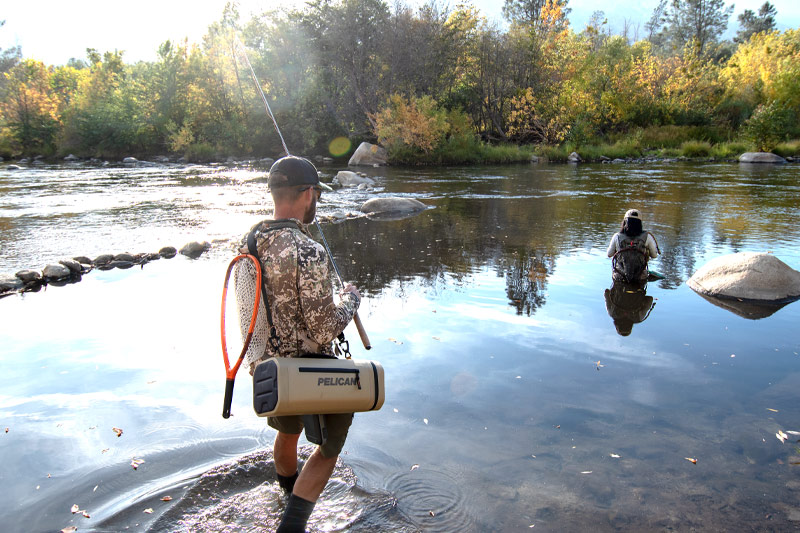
750,23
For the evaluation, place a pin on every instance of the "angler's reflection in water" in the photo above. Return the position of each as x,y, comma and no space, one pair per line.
628,304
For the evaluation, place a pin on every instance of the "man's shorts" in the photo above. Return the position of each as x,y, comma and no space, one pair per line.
337,424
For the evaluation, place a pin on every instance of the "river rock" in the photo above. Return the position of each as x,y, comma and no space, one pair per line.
128,258
13,167
195,249
72,157
392,206
130,160
55,273
747,276
574,158
103,259
73,266
368,155
83,260
346,178
29,276
167,252
10,283
761,157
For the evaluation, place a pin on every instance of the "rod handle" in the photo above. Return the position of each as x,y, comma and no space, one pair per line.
361,331
226,404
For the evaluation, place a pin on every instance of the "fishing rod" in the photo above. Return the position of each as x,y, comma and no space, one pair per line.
356,319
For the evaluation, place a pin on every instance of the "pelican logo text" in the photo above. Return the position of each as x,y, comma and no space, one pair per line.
335,382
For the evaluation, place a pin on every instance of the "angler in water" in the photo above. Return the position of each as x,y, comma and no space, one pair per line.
303,319
631,249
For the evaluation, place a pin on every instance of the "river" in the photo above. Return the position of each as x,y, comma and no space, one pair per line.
523,392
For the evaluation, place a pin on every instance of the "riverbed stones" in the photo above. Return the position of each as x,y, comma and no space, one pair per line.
29,276
13,167
83,260
130,160
194,249
72,157
126,257
368,154
55,272
574,158
10,283
167,252
392,206
102,260
747,276
73,266
346,178
761,157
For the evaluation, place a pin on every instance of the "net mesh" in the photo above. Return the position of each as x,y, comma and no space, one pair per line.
246,285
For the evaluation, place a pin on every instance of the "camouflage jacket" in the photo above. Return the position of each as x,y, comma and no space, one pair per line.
300,293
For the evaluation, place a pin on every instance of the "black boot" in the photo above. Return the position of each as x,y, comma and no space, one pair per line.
295,517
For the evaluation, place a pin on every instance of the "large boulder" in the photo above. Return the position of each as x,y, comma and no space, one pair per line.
761,157
574,158
346,178
747,276
368,155
392,207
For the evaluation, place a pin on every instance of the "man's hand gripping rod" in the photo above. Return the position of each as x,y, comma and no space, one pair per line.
361,332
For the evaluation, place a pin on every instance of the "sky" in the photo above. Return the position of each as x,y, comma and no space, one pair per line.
53,31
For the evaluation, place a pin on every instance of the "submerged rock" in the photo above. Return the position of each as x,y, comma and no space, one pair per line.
346,178
29,276
392,207
747,276
761,157
368,155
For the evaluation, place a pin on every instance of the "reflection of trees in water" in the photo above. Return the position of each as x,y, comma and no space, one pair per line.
526,279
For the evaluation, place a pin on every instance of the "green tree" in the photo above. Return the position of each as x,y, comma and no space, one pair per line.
29,107
750,23
697,23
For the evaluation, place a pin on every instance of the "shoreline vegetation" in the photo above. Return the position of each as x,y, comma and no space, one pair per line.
433,85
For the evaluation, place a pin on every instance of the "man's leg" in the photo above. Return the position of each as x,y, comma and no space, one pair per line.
315,475
285,455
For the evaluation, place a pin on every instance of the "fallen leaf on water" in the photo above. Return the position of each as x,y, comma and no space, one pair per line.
150,382
136,463
425,420
70,529
586,472
75,509
414,467
395,410
558,426
104,450
6,430
773,410
733,355
599,366
86,514
431,513
166,499
118,431
781,436
148,511
691,460
436,338
49,476
615,456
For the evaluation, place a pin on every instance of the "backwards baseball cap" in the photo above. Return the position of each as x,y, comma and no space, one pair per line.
292,170
633,213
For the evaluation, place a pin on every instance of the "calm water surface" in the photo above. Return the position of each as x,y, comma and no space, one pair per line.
513,400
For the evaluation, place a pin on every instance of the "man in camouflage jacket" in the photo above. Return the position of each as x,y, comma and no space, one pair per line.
307,320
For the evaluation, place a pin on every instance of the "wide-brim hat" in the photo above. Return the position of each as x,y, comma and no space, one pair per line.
292,170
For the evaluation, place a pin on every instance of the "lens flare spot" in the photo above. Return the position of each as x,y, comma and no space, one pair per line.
339,146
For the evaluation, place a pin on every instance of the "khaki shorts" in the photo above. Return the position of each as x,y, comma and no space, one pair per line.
337,424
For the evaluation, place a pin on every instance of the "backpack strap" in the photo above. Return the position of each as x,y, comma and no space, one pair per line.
252,247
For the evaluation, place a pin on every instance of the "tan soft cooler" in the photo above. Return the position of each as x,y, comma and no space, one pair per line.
306,385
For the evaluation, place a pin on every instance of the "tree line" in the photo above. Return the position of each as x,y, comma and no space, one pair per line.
432,84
